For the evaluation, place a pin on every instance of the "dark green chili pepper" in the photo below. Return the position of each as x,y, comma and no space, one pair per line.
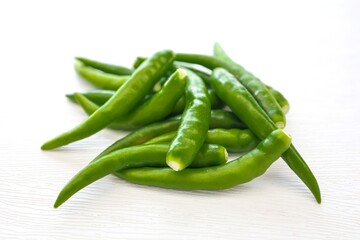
124,100
136,156
154,109
99,97
266,100
254,85
105,67
194,124
219,119
100,79
234,140
244,105
241,170
282,101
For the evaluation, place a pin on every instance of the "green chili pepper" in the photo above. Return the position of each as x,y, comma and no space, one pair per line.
243,104
219,119
136,156
194,124
98,97
154,109
203,75
253,84
100,79
124,100
94,99
234,140
282,101
266,100
241,170
105,67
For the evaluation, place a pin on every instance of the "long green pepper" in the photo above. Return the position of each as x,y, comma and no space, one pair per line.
157,107
263,96
243,104
253,84
98,97
102,80
219,119
241,170
234,140
105,67
135,157
194,124
125,99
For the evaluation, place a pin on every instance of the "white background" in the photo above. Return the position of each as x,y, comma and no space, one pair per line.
309,50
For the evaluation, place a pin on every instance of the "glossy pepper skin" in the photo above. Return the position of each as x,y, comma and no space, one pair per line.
96,98
241,170
234,140
124,100
99,97
135,157
259,90
105,67
156,108
219,119
282,101
194,124
243,104
99,79
254,85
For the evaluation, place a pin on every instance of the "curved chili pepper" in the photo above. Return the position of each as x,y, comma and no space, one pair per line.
125,99
243,104
137,156
241,170
194,124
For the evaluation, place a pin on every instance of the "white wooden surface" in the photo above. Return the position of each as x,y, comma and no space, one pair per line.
310,50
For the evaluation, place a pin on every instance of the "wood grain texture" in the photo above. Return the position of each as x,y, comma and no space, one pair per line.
309,50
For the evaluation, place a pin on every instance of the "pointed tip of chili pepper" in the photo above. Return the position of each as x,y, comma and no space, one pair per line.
46,146
70,96
315,190
58,202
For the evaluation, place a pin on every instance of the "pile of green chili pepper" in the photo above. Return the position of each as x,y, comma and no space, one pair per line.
180,133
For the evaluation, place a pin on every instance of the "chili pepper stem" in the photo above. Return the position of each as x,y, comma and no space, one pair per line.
174,163
285,108
280,124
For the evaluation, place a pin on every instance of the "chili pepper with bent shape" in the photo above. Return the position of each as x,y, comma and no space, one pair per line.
99,79
194,124
241,170
156,108
253,84
105,67
136,156
266,100
234,140
219,119
94,99
98,97
124,100
243,104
